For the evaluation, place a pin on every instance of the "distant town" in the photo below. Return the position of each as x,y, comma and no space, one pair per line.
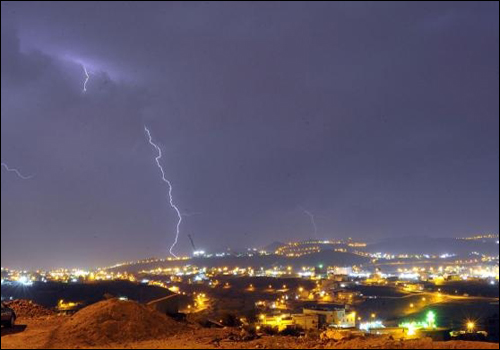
339,286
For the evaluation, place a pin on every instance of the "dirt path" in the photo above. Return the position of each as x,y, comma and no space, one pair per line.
30,333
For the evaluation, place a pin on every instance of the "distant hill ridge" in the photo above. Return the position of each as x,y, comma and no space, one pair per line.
434,246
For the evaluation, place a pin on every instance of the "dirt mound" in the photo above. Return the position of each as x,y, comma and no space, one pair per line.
115,321
28,309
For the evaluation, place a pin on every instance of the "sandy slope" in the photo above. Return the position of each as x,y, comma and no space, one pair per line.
40,334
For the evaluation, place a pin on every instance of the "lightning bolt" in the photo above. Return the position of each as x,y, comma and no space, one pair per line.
17,172
170,189
313,222
87,77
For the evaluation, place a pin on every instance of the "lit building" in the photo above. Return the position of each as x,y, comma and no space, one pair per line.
281,322
341,318
284,321
306,322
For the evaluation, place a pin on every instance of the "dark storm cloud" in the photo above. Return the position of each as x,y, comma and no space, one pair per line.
381,118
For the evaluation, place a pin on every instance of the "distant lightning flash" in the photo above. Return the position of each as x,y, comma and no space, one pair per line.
87,77
170,188
313,222
17,172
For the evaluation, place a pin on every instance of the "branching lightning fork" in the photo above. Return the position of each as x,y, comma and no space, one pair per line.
170,188
87,77
17,172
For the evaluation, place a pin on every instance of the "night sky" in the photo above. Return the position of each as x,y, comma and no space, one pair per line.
381,119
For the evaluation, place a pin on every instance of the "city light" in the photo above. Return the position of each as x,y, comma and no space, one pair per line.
431,319
25,281
428,324
371,325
